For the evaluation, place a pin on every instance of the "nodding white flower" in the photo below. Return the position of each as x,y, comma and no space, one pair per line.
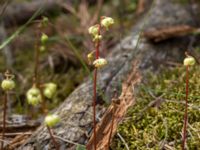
44,38
50,90
51,120
94,30
97,38
33,96
107,22
7,84
100,62
189,61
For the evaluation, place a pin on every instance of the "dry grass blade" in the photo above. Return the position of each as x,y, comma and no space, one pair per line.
123,102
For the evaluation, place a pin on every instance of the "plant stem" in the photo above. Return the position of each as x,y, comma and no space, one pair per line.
53,139
36,70
186,108
37,56
97,45
4,119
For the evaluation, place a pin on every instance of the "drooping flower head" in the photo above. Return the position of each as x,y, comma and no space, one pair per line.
50,90
94,30
52,120
107,22
34,96
100,62
8,83
189,61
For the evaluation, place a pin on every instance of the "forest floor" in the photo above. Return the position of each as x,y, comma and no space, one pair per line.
156,119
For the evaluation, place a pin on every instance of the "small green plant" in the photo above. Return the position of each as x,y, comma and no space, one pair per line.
188,61
38,92
7,85
95,31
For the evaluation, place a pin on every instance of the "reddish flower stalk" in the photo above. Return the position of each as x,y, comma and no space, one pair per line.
4,119
97,45
186,109
53,139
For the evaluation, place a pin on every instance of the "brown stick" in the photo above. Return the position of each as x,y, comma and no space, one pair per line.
4,119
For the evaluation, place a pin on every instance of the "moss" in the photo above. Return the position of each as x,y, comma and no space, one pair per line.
150,126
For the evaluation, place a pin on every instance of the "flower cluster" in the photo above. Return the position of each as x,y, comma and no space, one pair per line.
34,96
95,31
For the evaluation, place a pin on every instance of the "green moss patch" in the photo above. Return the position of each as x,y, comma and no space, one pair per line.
156,121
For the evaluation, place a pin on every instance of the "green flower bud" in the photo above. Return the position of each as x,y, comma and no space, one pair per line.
50,90
42,48
189,61
93,30
33,96
52,120
45,21
44,38
7,84
107,22
100,62
97,38
90,57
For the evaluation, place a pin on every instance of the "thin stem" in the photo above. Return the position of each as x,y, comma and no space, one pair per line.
4,119
37,55
186,108
94,90
36,70
98,42
53,139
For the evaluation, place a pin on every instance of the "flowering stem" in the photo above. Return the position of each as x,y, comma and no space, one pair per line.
4,119
94,89
53,139
186,108
36,71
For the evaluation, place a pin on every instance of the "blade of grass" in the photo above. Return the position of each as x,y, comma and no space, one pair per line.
20,29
